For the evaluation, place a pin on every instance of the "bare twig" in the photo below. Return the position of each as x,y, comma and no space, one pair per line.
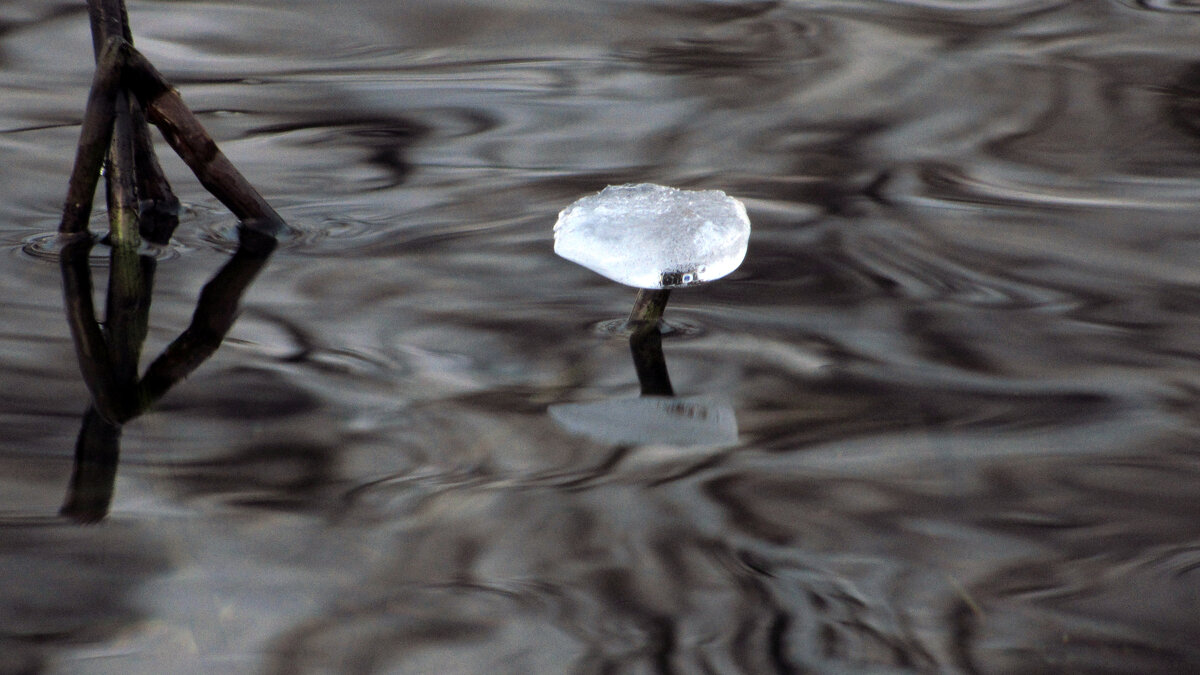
645,342
648,306
183,131
95,138
156,204
109,19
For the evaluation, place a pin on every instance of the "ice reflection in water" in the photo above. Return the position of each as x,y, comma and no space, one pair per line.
961,351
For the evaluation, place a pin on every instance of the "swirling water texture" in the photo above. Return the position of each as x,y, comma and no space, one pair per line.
961,350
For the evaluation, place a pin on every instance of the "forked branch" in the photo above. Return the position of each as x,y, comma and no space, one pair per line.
121,67
127,91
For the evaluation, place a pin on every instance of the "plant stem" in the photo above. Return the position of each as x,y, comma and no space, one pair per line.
184,133
94,140
126,92
155,203
645,341
124,322
648,307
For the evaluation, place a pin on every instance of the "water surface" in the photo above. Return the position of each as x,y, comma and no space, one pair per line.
961,353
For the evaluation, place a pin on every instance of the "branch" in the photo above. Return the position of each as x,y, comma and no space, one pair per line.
94,139
183,131
155,204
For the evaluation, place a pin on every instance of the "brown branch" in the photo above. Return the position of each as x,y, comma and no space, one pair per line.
183,131
95,137
645,341
120,179
648,306
158,207
140,203
109,19
155,203
126,312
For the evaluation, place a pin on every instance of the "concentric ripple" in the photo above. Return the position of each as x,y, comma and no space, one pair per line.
47,247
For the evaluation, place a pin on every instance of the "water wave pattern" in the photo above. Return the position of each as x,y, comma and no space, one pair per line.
961,352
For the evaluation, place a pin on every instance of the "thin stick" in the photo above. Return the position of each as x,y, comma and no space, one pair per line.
648,306
124,322
645,341
139,201
183,131
95,138
109,19
156,204
158,207
120,179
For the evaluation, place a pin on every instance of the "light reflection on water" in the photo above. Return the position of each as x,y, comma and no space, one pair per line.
961,351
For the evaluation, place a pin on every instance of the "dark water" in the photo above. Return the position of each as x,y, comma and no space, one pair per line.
961,355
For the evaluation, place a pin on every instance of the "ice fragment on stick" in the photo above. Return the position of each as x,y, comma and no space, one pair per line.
651,236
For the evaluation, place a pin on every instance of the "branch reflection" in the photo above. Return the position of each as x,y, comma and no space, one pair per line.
109,352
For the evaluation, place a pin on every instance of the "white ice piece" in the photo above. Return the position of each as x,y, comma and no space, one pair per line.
651,236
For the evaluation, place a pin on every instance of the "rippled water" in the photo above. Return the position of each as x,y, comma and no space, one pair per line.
960,357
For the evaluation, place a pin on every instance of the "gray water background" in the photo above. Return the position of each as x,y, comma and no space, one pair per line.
961,353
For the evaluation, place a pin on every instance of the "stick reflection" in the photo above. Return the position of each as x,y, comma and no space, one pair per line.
645,343
657,416
108,353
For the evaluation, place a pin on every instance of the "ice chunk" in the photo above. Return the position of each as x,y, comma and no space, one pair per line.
651,236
